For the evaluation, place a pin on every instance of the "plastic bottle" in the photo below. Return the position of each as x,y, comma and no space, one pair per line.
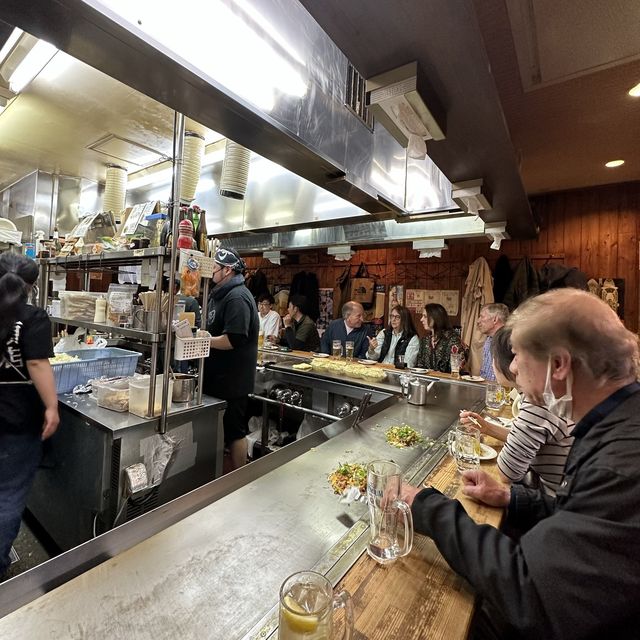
100,314
185,235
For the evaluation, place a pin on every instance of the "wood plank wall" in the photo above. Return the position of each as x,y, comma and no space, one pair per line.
593,229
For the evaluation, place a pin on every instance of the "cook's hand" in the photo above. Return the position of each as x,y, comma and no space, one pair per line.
287,320
51,422
373,343
468,417
480,486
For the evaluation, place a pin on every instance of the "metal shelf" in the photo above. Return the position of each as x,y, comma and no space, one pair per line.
108,258
145,336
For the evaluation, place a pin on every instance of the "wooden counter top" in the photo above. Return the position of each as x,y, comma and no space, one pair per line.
419,596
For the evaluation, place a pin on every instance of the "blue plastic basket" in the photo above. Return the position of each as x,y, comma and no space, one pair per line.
94,363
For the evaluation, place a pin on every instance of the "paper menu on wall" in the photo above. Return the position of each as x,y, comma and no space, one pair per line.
417,299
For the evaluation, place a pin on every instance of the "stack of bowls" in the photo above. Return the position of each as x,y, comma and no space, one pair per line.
115,189
192,155
235,171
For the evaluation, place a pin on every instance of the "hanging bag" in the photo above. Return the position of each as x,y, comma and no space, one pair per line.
363,286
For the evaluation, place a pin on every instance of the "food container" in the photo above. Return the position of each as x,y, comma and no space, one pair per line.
184,387
112,394
139,396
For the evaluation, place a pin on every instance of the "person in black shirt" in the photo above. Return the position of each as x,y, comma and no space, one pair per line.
28,399
230,370
300,330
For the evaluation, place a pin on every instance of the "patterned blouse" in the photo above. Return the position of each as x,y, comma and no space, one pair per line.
437,358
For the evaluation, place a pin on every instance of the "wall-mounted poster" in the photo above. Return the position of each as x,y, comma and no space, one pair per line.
396,295
448,298
326,307
415,300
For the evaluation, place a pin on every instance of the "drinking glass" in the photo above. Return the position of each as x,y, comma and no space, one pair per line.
336,349
260,339
494,395
348,350
307,603
455,365
385,511
404,384
400,363
464,446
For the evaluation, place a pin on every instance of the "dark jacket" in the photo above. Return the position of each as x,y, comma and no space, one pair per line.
302,335
337,331
524,284
576,572
232,311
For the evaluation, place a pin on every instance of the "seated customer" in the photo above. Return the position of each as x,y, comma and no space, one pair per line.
537,439
270,321
435,348
300,331
397,339
575,572
350,327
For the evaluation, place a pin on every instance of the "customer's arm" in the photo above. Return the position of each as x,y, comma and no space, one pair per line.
41,374
375,346
411,354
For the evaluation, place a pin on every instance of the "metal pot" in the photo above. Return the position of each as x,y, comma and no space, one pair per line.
417,392
184,387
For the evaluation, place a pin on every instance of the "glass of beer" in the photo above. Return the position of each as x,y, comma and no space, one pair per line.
260,339
348,350
336,349
464,446
494,395
307,603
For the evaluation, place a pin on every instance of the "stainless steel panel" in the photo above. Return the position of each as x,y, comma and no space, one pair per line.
43,203
428,189
198,578
76,197
18,203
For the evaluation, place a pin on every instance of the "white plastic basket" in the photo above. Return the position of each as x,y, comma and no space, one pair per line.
192,348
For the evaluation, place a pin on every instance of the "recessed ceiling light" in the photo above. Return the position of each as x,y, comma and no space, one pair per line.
635,91
614,163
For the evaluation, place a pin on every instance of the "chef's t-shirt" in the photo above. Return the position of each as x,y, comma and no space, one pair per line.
21,409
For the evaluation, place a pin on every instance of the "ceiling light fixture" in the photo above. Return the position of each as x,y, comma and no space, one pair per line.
612,164
34,62
634,92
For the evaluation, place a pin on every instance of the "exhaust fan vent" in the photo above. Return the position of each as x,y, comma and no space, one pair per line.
355,96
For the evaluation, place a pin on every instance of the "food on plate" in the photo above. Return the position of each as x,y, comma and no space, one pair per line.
302,366
63,357
348,475
402,436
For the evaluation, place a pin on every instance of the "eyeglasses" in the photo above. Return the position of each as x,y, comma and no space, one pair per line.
264,304
395,316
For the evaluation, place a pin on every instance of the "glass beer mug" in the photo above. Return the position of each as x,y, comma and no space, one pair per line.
336,349
307,603
385,510
464,446
348,350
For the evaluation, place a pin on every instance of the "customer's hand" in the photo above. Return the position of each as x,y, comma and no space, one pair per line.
51,422
409,492
287,320
470,417
373,343
480,486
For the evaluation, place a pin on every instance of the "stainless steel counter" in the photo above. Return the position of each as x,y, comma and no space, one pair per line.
114,421
216,573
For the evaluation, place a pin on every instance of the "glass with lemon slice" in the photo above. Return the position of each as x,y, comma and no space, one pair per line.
307,603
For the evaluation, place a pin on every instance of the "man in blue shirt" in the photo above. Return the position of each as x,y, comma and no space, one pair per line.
350,327
492,317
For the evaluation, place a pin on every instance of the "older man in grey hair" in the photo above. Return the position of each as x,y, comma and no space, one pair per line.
350,327
575,570
492,317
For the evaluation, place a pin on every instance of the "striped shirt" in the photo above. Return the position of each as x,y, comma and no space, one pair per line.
537,440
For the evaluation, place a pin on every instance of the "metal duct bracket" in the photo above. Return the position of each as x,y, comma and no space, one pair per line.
403,103
430,248
496,232
341,252
471,196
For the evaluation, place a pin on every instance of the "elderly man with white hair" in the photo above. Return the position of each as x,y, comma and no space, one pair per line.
575,571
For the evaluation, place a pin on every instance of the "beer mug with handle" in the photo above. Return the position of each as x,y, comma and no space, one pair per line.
385,511
307,603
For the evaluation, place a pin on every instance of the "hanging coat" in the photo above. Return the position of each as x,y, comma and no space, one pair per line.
524,284
478,292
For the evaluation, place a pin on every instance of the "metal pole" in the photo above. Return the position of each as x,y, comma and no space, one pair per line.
155,329
312,412
203,325
178,145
